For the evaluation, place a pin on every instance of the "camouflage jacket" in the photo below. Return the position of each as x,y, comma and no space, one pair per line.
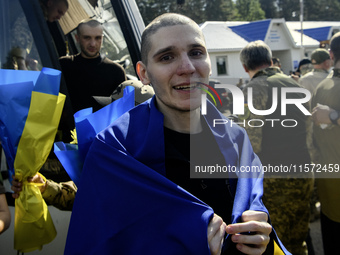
60,195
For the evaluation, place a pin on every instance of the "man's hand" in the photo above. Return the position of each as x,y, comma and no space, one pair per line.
17,185
320,114
216,232
252,235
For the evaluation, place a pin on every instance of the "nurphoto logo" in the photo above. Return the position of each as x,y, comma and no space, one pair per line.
239,104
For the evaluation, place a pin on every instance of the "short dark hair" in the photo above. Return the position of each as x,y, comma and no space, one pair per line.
335,46
256,54
164,20
89,22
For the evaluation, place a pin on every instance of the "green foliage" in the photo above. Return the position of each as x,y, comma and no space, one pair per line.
270,8
198,10
242,10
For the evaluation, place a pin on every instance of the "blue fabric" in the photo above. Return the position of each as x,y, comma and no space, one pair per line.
49,82
88,125
16,88
69,157
126,205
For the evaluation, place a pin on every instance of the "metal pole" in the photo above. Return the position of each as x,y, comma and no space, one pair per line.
301,20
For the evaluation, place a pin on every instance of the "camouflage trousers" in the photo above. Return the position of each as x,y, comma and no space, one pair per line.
288,203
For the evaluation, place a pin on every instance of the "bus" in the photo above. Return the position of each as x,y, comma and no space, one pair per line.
26,35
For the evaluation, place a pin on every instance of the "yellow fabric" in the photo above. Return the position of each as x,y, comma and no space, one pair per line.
33,224
277,249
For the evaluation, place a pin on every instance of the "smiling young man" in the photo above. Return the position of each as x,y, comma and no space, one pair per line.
141,165
89,73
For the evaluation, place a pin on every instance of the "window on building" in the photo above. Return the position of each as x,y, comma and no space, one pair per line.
221,63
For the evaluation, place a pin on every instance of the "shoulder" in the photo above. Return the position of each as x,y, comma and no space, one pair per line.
222,125
113,67
130,123
69,58
108,61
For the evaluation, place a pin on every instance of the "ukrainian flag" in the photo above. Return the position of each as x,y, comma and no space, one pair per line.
30,111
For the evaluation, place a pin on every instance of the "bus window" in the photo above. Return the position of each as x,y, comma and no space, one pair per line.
18,49
114,45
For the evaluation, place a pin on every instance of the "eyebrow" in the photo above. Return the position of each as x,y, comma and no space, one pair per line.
163,50
170,48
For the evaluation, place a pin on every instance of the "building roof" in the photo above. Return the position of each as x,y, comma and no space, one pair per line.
320,33
252,31
219,36
234,35
306,40
318,30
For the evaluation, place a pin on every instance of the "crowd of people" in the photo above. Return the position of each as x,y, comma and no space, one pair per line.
142,161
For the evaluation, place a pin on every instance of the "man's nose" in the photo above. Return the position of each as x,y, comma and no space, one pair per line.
186,65
92,42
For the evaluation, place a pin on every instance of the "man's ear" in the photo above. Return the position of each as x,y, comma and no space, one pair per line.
245,69
77,38
331,54
142,73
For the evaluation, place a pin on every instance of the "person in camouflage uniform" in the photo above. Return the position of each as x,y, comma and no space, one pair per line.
322,63
286,196
326,141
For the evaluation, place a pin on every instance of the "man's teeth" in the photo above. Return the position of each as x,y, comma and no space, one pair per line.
186,87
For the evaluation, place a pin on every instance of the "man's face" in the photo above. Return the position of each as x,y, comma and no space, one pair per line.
177,60
90,40
55,10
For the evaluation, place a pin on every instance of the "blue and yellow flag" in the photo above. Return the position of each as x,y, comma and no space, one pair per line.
29,118
88,125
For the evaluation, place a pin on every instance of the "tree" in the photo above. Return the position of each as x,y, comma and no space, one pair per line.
219,10
270,8
198,10
289,9
318,10
249,10
255,11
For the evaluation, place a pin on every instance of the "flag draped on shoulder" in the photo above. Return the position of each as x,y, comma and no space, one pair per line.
126,205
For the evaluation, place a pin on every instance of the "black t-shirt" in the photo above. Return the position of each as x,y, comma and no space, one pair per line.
86,78
178,161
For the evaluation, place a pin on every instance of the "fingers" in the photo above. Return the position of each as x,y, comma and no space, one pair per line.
216,232
254,215
252,235
16,187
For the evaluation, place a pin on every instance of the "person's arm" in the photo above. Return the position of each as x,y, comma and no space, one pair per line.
321,115
5,215
256,224
60,195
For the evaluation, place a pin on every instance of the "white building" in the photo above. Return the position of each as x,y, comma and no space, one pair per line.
226,39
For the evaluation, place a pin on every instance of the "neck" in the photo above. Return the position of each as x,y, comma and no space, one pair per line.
183,121
86,56
251,73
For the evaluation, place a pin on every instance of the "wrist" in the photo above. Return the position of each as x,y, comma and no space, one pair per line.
43,187
334,116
